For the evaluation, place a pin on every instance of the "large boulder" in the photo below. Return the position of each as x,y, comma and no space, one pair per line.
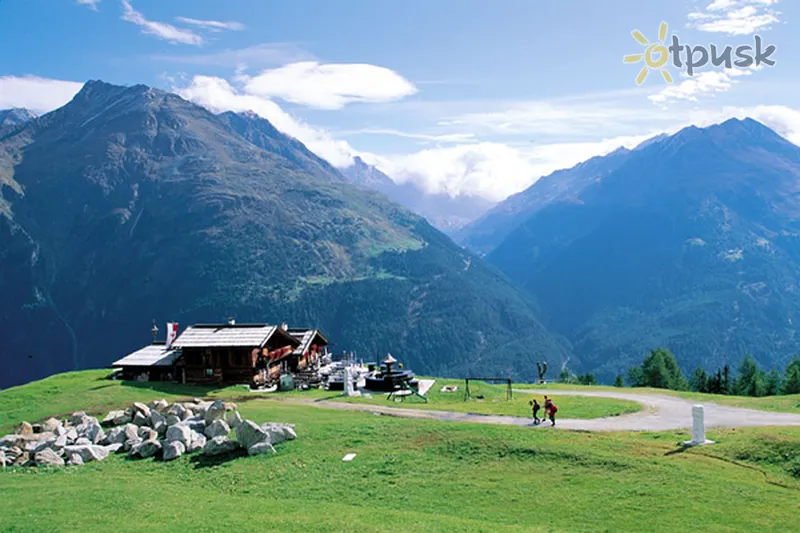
25,429
248,434
145,449
217,428
145,433
177,410
115,435
196,423
260,448
200,408
279,432
173,450
76,418
198,442
22,459
91,430
141,408
115,418
234,419
140,419
71,435
75,460
131,443
52,425
49,444
156,418
158,405
48,457
3,459
87,452
131,431
219,446
114,448
216,411
159,422
9,441
179,433
83,441
60,442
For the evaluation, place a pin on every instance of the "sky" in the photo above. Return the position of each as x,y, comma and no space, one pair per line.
463,97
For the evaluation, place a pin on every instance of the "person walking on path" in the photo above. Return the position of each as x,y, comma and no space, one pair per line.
535,406
550,410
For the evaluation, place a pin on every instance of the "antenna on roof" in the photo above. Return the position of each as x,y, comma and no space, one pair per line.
154,331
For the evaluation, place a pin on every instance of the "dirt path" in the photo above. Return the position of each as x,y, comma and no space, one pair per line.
659,413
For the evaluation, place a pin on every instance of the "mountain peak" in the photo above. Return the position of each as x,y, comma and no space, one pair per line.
15,116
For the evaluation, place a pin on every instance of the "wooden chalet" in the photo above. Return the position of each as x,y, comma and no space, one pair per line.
228,353
151,363
313,345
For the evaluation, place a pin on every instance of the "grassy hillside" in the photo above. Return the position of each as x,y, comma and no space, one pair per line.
408,475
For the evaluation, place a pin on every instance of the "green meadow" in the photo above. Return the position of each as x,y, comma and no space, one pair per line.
408,475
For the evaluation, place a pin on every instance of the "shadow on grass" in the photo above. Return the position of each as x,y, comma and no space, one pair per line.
206,461
171,388
680,449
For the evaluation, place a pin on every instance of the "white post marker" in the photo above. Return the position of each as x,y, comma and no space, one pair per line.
348,383
349,457
698,428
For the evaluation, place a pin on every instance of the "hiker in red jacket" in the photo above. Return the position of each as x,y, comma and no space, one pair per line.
550,409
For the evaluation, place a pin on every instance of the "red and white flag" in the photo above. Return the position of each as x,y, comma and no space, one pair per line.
172,333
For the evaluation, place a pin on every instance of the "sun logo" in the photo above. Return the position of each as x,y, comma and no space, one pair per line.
651,52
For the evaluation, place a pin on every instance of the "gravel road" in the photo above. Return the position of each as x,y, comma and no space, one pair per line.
659,413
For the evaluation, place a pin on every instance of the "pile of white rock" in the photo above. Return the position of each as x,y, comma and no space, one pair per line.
158,429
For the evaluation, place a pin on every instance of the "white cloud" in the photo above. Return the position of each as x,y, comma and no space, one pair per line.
257,56
492,170
704,83
162,30
91,3
439,138
735,17
330,86
213,25
566,118
37,94
218,95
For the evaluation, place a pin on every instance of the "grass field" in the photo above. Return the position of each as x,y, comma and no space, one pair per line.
786,404
408,475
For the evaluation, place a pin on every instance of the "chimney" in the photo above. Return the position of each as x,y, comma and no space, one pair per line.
231,321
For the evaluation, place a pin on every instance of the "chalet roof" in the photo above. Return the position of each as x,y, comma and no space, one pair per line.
229,336
306,337
152,355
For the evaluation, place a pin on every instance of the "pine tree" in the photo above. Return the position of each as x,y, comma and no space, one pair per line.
725,381
751,380
773,383
791,380
659,370
619,381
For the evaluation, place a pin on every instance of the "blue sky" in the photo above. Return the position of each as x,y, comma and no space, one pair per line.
460,96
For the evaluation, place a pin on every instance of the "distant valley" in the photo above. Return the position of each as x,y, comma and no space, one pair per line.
690,242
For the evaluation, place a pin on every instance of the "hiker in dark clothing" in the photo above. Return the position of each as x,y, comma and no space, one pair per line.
535,406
